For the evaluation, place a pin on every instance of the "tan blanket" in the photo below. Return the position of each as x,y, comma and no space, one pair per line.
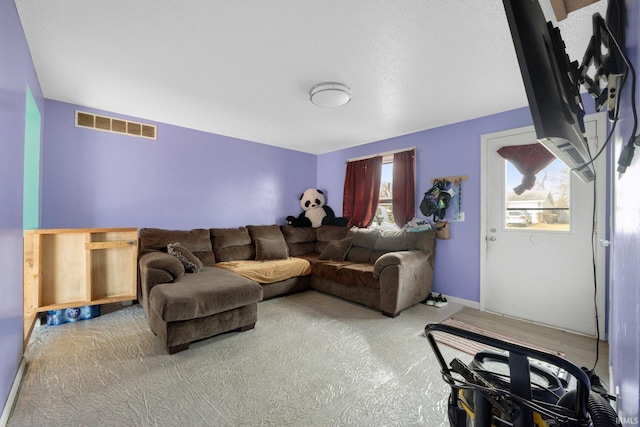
268,271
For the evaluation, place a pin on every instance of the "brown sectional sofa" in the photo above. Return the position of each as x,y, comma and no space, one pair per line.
389,271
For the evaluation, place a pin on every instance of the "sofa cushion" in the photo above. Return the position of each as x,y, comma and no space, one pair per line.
389,240
425,240
196,240
392,241
328,233
357,274
359,254
337,249
212,291
397,241
192,263
363,237
345,272
300,240
232,244
265,232
363,241
326,269
267,272
271,249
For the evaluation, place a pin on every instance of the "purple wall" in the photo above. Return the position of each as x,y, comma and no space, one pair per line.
624,289
96,179
184,179
99,179
16,73
446,151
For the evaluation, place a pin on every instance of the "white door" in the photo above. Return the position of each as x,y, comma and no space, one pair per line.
538,262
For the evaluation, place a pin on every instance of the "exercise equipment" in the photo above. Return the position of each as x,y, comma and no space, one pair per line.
518,386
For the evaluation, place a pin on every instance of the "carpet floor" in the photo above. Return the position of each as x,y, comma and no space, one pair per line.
312,360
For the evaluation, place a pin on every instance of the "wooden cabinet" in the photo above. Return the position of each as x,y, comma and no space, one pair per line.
75,267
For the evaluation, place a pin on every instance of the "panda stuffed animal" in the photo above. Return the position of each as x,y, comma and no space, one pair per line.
315,212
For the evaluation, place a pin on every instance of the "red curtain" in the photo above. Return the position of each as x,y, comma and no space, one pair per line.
404,197
529,160
361,191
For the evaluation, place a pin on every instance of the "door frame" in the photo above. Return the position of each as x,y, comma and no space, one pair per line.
602,223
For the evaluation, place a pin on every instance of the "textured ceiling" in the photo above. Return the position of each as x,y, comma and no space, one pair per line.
244,68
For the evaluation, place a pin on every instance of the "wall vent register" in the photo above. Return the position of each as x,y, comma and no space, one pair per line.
115,125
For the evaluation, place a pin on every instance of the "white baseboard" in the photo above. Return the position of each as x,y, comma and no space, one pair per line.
464,302
8,406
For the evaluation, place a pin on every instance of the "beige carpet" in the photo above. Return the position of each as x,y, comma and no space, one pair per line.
312,360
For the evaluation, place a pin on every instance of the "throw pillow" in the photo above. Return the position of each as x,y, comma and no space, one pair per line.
271,249
337,250
192,263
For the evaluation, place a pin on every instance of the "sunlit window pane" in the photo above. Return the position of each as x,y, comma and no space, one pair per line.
384,215
386,178
545,206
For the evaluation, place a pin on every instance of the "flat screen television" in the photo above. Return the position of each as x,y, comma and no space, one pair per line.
552,85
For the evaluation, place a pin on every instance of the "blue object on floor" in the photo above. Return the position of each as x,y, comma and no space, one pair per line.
68,315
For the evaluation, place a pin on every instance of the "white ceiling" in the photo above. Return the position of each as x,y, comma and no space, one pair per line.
244,68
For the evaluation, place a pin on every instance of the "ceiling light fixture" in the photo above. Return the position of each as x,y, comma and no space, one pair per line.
330,94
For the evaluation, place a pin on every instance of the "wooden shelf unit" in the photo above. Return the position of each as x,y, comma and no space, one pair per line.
66,268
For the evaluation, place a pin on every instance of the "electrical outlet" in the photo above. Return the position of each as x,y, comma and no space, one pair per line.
459,216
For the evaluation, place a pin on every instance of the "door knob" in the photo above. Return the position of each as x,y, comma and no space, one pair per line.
492,238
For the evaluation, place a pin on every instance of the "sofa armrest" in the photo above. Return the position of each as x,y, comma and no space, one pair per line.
397,258
405,278
157,267
162,261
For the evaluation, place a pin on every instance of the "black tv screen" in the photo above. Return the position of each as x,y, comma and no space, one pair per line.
552,85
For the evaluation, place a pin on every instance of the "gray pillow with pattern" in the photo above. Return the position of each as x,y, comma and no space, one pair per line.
192,263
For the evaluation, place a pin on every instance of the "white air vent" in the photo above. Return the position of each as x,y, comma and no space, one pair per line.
111,124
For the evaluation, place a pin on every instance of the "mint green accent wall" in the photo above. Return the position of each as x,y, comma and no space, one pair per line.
31,200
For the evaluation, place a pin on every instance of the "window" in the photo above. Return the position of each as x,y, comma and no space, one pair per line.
546,205
384,212
364,203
